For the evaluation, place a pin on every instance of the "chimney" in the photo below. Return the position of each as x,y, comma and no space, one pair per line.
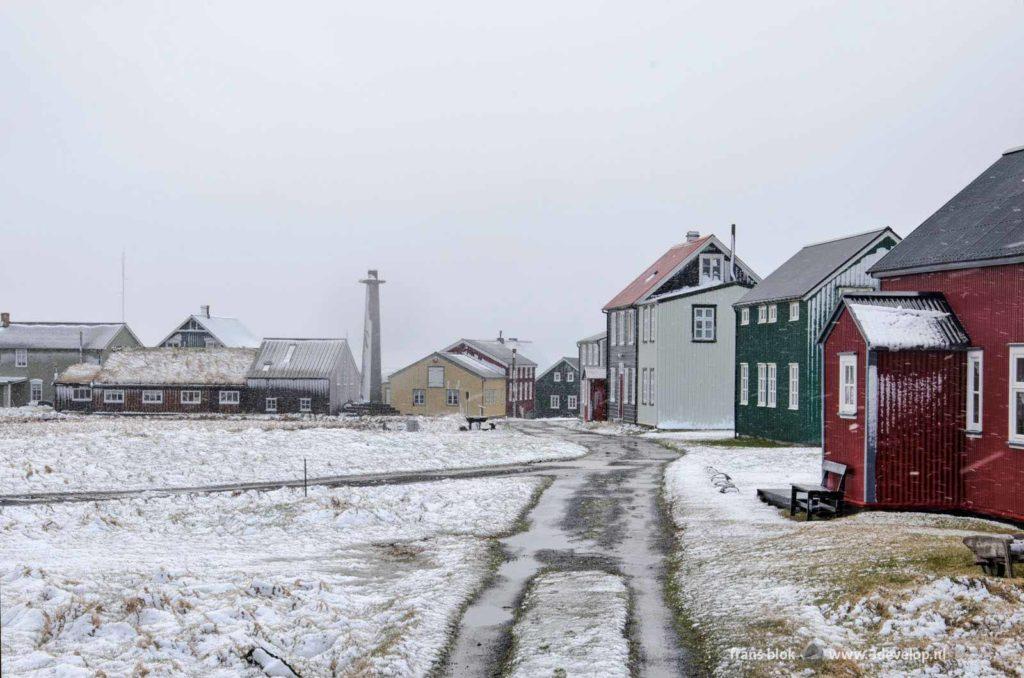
204,311
501,337
692,236
5,319
732,255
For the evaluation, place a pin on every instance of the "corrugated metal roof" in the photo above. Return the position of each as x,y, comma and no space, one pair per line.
900,321
176,366
983,223
592,338
497,350
298,358
809,267
59,336
477,367
656,273
573,362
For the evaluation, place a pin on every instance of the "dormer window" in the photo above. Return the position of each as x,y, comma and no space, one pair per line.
711,267
266,366
288,354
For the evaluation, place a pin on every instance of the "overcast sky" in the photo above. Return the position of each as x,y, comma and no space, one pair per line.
505,165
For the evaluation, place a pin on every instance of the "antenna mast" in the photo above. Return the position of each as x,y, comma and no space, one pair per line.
122,284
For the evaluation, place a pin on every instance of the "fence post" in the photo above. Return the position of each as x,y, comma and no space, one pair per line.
305,490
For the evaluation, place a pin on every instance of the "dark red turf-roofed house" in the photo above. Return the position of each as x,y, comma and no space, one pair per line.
892,391
972,252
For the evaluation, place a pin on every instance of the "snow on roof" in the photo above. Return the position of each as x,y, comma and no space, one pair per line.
80,373
59,336
900,321
477,367
177,366
500,351
231,332
592,338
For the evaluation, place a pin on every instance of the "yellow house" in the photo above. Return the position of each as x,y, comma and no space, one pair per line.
449,383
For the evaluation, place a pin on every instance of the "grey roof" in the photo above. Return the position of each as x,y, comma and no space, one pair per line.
309,359
573,363
809,267
477,367
594,337
60,336
982,224
497,350
229,331
901,321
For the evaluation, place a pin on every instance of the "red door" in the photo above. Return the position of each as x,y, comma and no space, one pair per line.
599,400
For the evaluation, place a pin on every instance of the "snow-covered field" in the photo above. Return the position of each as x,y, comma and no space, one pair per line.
100,453
346,582
572,624
876,593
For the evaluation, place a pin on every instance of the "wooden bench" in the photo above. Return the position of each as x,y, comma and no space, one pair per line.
811,498
996,553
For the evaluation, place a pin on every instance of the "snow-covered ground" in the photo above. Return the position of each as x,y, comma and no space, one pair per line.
101,453
346,582
883,593
572,624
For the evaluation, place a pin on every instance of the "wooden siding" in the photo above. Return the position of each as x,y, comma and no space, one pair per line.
844,435
646,359
546,387
694,381
621,358
288,393
988,303
209,400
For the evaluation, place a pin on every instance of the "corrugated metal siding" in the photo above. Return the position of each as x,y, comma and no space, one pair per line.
695,380
920,419
988,302
844,437
647,358
621,358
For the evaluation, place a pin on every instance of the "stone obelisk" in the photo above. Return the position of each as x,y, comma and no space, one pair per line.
371,389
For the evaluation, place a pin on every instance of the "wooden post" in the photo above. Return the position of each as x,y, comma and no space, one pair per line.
305,490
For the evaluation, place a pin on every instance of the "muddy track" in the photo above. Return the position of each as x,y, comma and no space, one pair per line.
600,512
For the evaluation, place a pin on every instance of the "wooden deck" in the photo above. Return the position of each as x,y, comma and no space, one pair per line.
776,497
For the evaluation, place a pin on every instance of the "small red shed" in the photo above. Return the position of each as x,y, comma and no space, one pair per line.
892,397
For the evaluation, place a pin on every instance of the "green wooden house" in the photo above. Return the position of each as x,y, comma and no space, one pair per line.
778,362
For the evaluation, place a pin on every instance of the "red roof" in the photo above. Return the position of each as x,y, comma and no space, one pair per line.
656,274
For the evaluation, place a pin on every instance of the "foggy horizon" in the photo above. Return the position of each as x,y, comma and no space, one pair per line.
504,169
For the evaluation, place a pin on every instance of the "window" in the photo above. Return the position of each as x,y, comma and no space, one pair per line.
570,376
435,376
974,385
848,384
650,395
557,376
229,397
654,324
794,386
632,386
81,394
288,354
305,404
762,315
419,396
773,313
622,328
555,402
113,397
631,326
490,396
191,397
703,323
794,311
452,396
271,405
1017,394
643,386
152,397
762,384
612,328
745,316
572,402
710,267
744,383
35,390
21,357
266,366
772,384
613,385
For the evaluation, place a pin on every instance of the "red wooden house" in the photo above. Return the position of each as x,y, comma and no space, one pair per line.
950,410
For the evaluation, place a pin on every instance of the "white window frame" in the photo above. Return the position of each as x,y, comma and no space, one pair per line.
571,402
194,397
21,357
650,386
76,394
419,396
1016,381
794,386
773,384
305,404
557,376
794,311
762,384
270,405
847,390
975,387
113,397
762,314
449,400
744,384
631,327
612,329
654,324
229,397
704,323
613,384
554,402
570,376
433,370
490,396
643,385
632,386
152,397
712,261
745,316
35,385
773,313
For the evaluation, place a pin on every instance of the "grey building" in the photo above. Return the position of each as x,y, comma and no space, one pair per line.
208,331
303,375
33,354
558,390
